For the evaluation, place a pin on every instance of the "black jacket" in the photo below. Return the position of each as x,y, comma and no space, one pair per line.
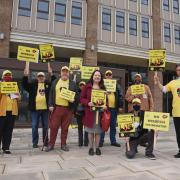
119,97
52,95
32,87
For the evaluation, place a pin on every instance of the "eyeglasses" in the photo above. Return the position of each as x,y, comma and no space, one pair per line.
108,74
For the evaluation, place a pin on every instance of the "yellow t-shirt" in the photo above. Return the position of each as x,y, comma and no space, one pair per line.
9,104
61,84
174,87
41,98
111,100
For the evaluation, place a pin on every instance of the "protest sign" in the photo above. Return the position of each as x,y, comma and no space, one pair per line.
8,87
86,72
67,94
75,63
98,98
137,89
110,85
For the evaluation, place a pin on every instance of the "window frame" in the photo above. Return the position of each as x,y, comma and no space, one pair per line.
169,29
176,9
130,28
177,28
25,9
165,5
75,17
59,14
43,12
106,23
147,23
146,4
121,17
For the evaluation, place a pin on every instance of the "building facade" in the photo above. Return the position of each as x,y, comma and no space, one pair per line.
113,34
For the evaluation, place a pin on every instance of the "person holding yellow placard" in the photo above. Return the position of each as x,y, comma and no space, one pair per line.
115,104
61,109
173,87
38,90
8,113
92,115
141,135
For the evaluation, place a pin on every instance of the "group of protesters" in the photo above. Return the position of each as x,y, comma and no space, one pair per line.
46,104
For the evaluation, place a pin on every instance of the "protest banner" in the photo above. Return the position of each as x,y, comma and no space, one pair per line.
75,63
67,94
157,121
157,60
46,52
86,72
137,89
28,54
126,125
110,85
98,98
8,87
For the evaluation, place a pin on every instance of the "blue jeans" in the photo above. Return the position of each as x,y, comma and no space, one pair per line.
113,121
35,116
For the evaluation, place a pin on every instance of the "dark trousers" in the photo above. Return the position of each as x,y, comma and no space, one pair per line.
36,116
82,138
113,122
177,128
134,142
6,129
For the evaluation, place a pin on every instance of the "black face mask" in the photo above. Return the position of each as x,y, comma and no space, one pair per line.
136,107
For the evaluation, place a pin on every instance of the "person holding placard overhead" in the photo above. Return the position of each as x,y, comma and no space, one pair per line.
115,104
61,109
174,87
38,90
92,116
8,113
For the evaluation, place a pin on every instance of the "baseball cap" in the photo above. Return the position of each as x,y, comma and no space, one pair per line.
64,68
108,72
136,100
40,74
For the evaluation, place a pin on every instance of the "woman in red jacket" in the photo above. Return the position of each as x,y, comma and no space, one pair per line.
89,120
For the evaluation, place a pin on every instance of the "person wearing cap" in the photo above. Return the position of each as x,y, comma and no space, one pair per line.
61,109
173,87
8,113
147,103
115,104
141,135
82,139
38,90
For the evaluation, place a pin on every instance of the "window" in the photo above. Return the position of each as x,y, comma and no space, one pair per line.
177,34
60,10
120,21
145,27
176,6
24,8
166,5
133,0
76,14
106,19
43,9
167,32
133,25
145,2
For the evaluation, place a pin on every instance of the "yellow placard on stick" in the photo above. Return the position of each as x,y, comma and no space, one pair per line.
86,72
98,98
126,125
110,85
156,120
28,54
46,52
8,87
67,94
157,60
75,63
137,89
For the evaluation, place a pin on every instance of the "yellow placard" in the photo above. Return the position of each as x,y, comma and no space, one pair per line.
86,72
157,59
28,54
8,87
137,89
46,52
75,63
126,123
110,85
98,98
156,120
67,94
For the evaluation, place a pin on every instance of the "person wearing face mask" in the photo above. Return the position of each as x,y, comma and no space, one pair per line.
141,135
38,90
61,109
8,113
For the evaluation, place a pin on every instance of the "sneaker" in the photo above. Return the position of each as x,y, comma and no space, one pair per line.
64,148
115,144
6,151
151,156
49,148
177,155
35,146
91,151
98,151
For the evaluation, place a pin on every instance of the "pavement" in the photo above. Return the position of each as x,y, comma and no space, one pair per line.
26,163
